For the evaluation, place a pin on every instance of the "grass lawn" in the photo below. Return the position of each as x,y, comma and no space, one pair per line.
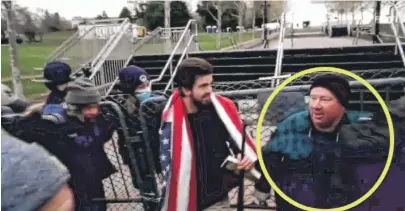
207,41
33,55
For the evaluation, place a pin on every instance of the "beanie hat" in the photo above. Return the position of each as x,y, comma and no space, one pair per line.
338,85
56,73
131,77
30,176
82,92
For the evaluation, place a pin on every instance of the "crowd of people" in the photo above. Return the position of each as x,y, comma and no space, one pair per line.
325,156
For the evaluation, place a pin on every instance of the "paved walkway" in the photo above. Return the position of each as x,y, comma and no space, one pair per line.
317,42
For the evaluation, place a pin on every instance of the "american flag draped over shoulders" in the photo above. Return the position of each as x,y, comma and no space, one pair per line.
177,151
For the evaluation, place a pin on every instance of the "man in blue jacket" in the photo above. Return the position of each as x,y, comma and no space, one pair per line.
56,76
75,133
303,153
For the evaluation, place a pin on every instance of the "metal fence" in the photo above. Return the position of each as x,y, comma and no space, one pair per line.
139,128
80,49
107,64
162,41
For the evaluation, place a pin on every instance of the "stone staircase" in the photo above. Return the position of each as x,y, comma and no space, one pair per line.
237,67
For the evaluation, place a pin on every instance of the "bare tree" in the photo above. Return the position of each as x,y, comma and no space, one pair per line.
344,7
257,11
276,9
240,6
168,42
15,71
218,5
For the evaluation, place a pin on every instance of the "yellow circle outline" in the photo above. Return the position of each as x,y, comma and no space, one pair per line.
259,129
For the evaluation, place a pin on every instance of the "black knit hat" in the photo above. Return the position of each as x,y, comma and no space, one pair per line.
338,85
56,73
82,92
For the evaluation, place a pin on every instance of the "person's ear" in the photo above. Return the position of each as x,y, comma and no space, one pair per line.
186,92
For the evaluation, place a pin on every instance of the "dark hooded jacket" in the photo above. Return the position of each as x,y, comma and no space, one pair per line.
366,150
55,97
361,154
79,146
305,165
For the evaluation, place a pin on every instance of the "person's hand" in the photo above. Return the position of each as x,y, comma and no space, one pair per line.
244,164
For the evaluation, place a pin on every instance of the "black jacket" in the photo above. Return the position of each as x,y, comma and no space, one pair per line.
77,145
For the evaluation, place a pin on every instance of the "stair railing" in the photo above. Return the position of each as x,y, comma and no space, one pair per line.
169,61
76,37
280,51
183,54
97,64
98,61
145,40
113,39
395,7
63,45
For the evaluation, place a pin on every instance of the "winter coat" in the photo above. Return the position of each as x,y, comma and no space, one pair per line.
77,145
366,150
306,167
55,97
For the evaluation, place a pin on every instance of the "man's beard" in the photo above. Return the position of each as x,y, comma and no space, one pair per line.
199,104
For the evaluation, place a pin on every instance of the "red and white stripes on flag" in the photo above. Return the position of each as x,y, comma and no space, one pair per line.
177,150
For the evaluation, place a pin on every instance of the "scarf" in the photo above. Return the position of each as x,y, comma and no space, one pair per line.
177,150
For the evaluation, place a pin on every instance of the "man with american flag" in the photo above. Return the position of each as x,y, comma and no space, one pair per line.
200,129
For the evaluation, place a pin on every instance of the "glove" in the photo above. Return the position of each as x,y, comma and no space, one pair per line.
7,115
261,196
55,113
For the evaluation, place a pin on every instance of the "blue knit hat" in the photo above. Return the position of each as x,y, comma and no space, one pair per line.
131,77
56,73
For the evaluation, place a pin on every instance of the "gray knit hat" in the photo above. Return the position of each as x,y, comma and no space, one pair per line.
30,176
81,92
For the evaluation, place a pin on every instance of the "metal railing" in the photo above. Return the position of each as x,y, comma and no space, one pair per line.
396,17
154,39
280,51
160,41
110,42
145,40
169,61
353,84
110,86
63,46
59,52
184,54
112,58
85,45
77,36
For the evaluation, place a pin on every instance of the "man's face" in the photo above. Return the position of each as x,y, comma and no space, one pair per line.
91,111
201,91
143,87
324,107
